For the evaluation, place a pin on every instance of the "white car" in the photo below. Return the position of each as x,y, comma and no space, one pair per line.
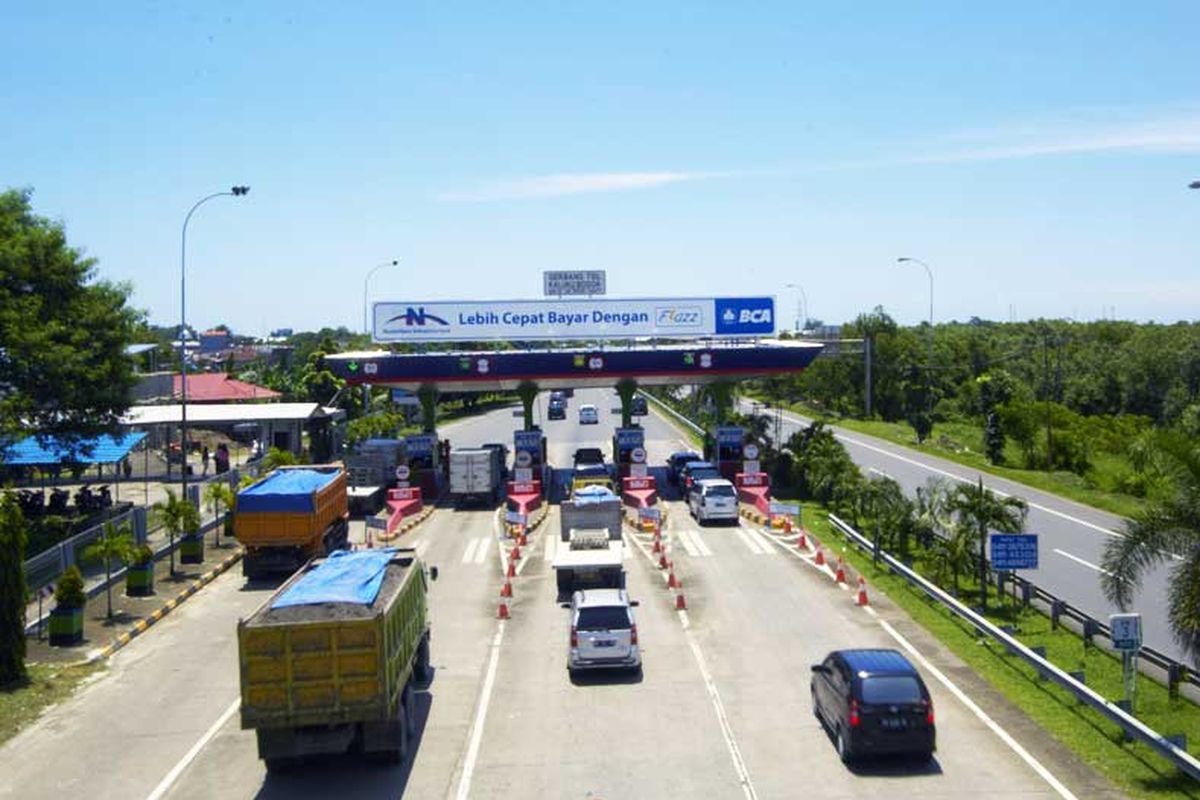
713,498
604,632
588,415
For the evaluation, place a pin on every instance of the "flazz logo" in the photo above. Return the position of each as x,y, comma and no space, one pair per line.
678,317
417,317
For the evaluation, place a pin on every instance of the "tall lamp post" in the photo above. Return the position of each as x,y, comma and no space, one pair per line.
367,324
235,191
929,369
801,315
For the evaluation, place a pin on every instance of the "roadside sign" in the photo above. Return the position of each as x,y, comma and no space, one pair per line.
522,459
1126,631
784,509
1014,551
377,523
403,397
522,487
402,472
638,455
631,437
753,478
650,512
559,283
730,436
750,452
523,474
420,444
514,517
751,467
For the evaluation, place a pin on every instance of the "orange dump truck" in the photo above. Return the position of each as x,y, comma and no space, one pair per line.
289,516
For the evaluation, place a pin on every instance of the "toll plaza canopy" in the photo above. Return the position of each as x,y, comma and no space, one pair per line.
696,362
92,450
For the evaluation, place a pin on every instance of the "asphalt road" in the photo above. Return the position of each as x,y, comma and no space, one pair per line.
1071,536
721,710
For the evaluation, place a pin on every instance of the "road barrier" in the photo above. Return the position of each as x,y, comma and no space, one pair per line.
680,418
1133,727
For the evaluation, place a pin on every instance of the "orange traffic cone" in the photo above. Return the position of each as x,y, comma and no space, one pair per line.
512,569
680,603
657,545
862,592
515,555
521,540
672,581
787,524
820,559
802,542
502,611
506,589
662,561
840,574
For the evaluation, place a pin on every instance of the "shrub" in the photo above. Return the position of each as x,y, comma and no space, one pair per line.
141,555
69,591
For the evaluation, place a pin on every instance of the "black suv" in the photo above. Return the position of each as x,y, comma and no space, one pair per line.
874,703
637,407
588,455
557,409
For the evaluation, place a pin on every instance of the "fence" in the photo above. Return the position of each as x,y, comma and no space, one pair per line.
680,418
1133,727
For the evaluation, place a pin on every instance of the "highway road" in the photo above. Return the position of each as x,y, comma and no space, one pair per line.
1071,536
721,709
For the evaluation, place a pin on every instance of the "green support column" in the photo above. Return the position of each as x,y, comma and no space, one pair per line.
428,395
626,389
528,392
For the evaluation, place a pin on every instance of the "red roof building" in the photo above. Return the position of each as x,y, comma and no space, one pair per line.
218,387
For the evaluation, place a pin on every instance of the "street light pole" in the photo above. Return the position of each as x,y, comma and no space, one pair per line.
801,316
929,369
235,191
367,324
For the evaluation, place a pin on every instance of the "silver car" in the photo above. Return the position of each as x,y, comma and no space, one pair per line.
604,632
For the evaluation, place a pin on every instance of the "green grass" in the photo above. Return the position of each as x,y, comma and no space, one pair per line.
963,443
1133,767
48,684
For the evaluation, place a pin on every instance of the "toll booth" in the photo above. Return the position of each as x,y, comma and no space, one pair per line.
730,451
424,462
529,453
625,442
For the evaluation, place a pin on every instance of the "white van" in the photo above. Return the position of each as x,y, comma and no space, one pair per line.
713,498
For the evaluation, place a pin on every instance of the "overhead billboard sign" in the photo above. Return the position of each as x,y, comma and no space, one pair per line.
594,318
557,283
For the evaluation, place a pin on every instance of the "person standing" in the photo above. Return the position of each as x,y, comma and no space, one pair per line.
204,456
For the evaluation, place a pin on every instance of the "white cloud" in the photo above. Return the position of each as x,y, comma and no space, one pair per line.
566,183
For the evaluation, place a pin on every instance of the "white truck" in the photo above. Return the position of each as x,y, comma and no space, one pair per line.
590,558
591,508
476,475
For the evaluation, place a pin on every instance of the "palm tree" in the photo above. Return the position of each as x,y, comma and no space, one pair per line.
114,544
1166,529
981,510
178,516
219,494
953,553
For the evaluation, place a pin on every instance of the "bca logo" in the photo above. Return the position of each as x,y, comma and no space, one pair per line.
753,315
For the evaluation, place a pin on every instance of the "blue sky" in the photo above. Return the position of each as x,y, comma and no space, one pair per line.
1035,155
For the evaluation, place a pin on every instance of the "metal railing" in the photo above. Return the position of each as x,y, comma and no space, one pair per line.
680,418
1133,727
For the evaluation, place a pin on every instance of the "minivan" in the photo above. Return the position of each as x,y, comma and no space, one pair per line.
873,702
713,498
604,633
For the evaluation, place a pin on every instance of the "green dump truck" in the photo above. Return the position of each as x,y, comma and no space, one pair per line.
289,516
329,661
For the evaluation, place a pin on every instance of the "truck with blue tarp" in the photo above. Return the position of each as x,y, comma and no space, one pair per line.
330,661
289,516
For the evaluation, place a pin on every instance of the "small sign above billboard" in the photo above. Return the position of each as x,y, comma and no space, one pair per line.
579,282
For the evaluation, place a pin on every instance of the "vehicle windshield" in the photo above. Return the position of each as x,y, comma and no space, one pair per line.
603,618
891,690
720,491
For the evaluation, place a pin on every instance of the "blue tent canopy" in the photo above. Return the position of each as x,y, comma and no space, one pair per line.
92,450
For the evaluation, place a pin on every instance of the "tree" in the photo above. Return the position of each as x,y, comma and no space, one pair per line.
179,517
278,458
1168,528
220,496
63,366
993,439
114,544
12,589
980,510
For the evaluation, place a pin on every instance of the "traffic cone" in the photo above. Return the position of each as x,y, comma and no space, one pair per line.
515,555
862,592
672,581
802,542
512,569
820,559
502,611
521,540
662,560
680,603
506,589
787,524
840,574
657,545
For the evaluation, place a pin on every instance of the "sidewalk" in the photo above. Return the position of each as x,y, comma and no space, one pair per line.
131,615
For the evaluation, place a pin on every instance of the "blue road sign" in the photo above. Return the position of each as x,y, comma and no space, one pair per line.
1014,551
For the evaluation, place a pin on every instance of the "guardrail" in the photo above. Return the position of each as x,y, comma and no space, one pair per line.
680,418
1132,726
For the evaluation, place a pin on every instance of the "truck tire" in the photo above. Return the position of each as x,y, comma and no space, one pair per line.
410,705
563,578
421,668
400,749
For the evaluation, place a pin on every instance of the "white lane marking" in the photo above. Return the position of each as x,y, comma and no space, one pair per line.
752,545
701,545
482,551
1004,736
469,554
763,540
739,764
190,756
1079,560
551,544
485,699
688,544
421,547
961,479
880,473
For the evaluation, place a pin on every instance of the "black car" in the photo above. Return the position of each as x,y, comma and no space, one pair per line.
588,455
556,410
676,461
696,471
874,703
637,407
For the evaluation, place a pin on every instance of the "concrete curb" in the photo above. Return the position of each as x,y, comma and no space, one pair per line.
142,625
754,515
408,524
